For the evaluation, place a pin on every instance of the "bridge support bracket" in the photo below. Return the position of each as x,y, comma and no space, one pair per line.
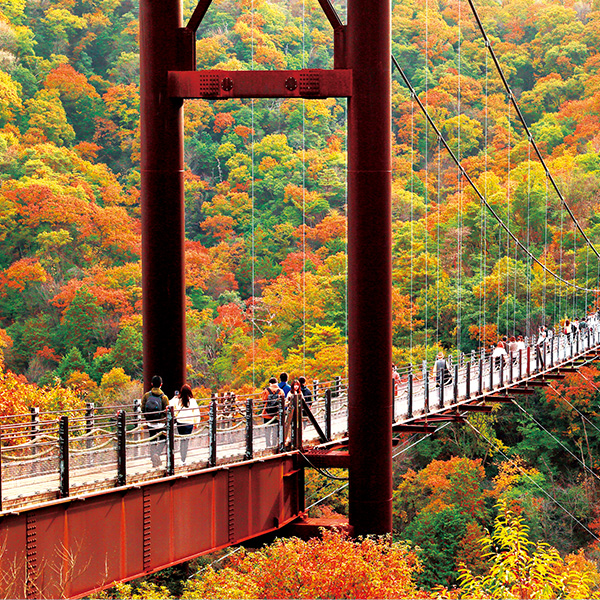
306,528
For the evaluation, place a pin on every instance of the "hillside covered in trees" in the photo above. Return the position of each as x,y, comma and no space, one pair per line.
266,233
265,188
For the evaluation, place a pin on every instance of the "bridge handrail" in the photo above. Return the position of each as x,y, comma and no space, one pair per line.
104,442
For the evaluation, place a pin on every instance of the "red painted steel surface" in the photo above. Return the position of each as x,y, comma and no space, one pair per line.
79,545
368,54
161,120
306,83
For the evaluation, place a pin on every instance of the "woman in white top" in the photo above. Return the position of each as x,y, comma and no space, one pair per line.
499,354
187,416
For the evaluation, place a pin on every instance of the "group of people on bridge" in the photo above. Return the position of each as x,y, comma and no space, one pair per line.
186,411
508,347
277,392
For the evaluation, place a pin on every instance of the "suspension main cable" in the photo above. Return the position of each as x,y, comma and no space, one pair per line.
513,100
474,186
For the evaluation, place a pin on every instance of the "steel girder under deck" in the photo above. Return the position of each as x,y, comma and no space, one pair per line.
78,545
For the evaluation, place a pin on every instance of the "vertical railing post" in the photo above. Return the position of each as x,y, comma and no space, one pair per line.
137,423
281,426
410,395
571,336
212,433
214,396
122,449
501,383
511,369
328,431
300,418
63,456
552,351
480,374
35,430
520,363
426,388
294,421
171,441
491,372
577,342
249,454
468,381
545,354
528,361
89,423
440,381
337,386
589,339
455,386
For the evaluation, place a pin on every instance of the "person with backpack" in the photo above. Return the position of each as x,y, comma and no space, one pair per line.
154,408
272,396
441,371
187,416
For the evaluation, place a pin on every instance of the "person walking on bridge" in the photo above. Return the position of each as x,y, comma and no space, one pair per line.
499,355
154,407
441,371
187,416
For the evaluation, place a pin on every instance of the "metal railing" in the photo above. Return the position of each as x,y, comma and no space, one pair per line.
50,455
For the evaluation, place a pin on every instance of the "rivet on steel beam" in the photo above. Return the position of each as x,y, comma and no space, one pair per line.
227,84
291,84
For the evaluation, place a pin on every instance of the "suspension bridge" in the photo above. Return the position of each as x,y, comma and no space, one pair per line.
81,504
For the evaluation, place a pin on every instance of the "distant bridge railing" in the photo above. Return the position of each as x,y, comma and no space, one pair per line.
43,457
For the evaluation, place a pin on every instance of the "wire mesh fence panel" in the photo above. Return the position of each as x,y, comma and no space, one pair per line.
27,471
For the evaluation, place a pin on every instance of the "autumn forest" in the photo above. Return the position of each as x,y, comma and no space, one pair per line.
265,189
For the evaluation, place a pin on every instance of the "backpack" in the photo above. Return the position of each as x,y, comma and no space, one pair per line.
273,402
153,411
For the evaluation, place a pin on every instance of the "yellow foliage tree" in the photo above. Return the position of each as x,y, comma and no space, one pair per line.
520,568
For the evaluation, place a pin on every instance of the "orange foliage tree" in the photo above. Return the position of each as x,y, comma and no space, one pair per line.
334,567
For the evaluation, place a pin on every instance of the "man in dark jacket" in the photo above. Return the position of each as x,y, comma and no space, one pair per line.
305,391
154,408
